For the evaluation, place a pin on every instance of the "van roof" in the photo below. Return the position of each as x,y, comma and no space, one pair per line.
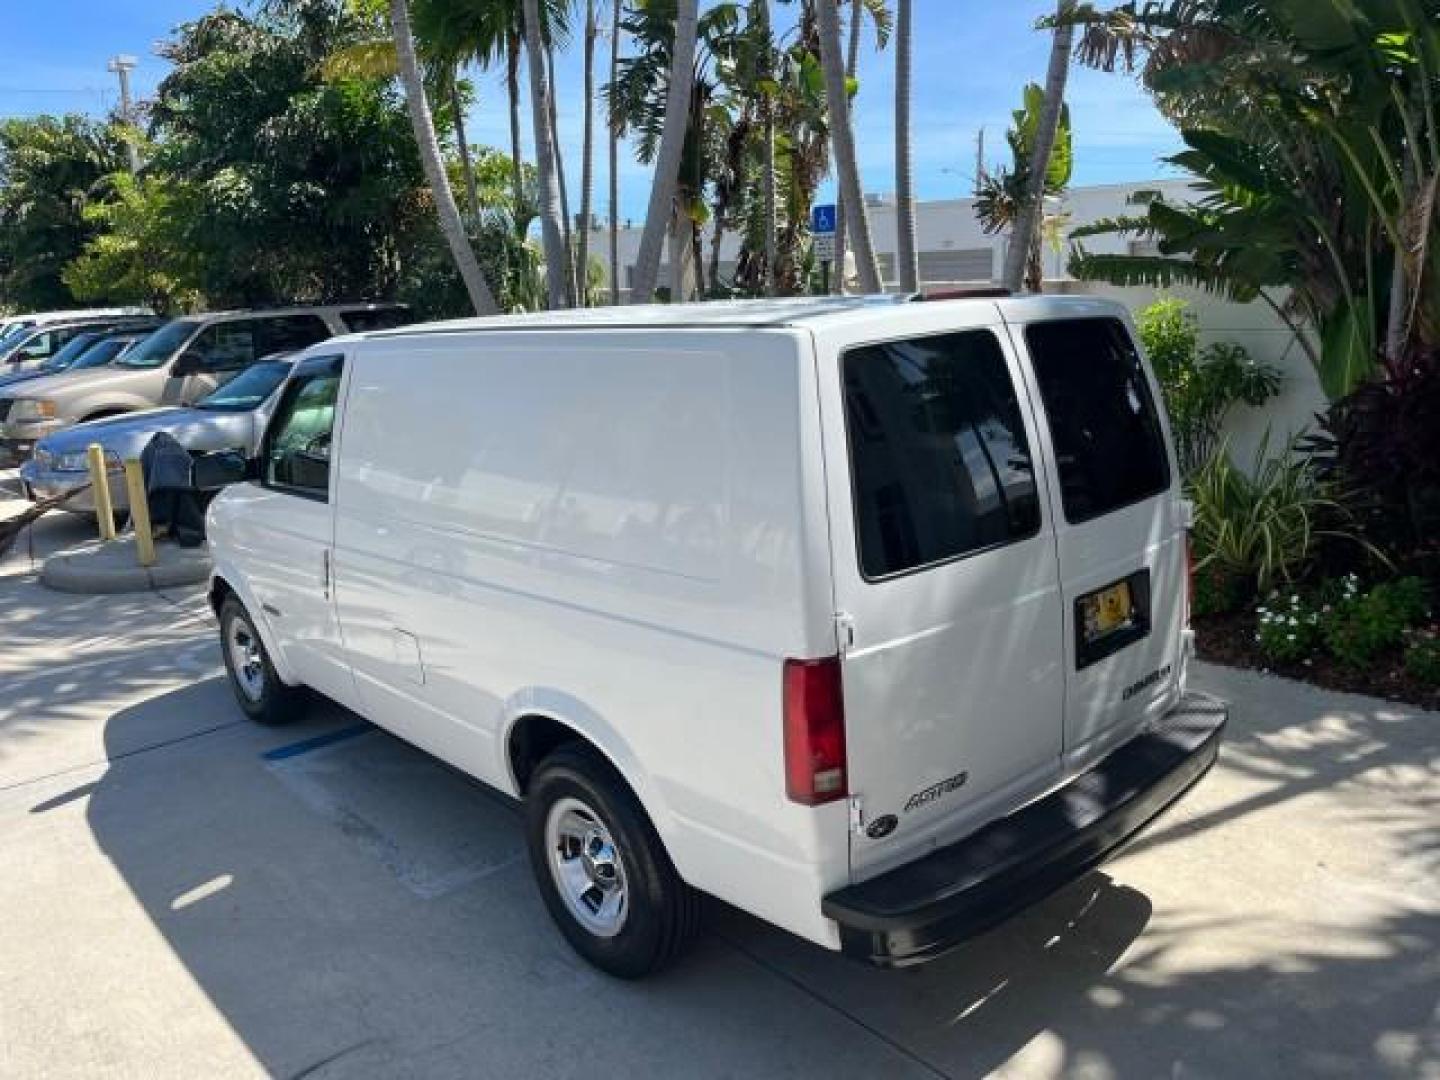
717,314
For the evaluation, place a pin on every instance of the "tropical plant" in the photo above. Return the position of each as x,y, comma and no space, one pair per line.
557,257
842,144
664,210
587,155
906,253
1314,135
612,131
1260,527
1001,195
141,253
1200,386
260,139
52,170
451,225
1050,117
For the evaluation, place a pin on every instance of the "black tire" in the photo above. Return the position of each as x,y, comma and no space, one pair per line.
662,912
271,702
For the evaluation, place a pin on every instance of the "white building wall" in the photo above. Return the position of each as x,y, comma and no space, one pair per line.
948,234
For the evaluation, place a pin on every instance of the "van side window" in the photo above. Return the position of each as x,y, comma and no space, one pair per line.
286,333
940,465
1108,445
297,443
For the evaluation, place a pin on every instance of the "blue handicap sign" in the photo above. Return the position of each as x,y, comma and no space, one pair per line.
822,219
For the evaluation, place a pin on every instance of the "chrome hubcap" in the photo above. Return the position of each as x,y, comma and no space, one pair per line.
246,662
587,867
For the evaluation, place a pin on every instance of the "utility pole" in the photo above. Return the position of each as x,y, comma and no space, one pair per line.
122,66
979,160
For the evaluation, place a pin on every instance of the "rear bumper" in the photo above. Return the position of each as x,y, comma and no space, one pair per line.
923,909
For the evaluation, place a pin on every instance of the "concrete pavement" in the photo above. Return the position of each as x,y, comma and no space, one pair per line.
183,894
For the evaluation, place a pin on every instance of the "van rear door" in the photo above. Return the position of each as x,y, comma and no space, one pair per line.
1118,523
945,580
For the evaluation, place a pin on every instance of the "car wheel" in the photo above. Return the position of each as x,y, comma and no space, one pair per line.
603,872
261,694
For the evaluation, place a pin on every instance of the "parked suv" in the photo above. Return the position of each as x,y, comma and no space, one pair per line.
177,365
869,618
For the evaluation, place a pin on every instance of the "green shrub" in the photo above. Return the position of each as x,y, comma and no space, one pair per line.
1200,386
1288,629
1258,528
1422,659
1363,625
1217,593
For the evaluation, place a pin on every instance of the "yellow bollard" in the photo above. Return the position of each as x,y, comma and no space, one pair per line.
140,512
100,489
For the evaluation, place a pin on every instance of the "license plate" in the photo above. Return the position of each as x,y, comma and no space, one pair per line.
1106,611
1109,619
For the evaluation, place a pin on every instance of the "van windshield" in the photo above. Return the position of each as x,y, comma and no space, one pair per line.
1108,444
158,347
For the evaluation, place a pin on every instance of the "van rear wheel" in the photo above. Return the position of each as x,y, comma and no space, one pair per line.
602,870
258,689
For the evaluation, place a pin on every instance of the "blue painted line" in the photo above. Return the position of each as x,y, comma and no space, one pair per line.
304,746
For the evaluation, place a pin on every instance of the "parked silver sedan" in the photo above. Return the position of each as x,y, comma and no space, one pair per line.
232,417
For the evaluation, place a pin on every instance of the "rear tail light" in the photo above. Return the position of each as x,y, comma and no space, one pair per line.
814,732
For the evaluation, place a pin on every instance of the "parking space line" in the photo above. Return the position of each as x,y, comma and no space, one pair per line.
304,746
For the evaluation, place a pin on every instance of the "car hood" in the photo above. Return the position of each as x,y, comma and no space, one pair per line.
77,382
126,435
16,377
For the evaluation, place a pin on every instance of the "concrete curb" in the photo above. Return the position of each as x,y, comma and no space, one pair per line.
98,567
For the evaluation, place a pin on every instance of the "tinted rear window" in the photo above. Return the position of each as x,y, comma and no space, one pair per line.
1108,445
940,465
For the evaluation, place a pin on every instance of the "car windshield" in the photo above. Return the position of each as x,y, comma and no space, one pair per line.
101,353
70,353
159,346
248,389
13,332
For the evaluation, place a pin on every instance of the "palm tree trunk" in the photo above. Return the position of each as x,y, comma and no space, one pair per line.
556,262
852,65
906,254
661,207
772,223
512,90
560,176
467,164
1027,219
614,162
587,158
451,226
842,142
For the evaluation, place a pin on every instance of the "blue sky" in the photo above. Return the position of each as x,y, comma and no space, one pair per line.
971,59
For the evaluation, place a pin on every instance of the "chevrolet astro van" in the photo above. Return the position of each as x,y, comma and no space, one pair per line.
868,617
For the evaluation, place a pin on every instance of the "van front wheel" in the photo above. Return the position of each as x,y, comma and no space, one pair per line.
261,694
602,870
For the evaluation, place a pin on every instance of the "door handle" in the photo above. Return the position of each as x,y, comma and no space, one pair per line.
325,572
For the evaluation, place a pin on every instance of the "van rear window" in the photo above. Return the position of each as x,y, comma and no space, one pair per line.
940,465
1108,445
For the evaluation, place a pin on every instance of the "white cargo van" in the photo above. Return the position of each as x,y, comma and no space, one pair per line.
867,617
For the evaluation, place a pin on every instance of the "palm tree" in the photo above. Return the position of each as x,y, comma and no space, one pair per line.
842,141
852,67
565,218
662,206
451,226
1027,223
587,153
556,259
767,45
909,269
614,134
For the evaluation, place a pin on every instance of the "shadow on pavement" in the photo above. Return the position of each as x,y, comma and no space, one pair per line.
362,909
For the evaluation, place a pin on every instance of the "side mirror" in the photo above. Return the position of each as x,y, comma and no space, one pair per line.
221,468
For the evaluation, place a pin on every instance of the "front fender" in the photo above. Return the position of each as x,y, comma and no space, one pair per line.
222,571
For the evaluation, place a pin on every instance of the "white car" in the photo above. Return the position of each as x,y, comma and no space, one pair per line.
867,617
